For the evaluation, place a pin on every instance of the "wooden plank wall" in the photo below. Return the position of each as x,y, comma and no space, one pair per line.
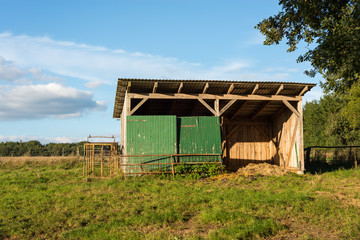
248,143
290,152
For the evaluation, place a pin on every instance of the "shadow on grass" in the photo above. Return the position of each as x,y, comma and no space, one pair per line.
319,166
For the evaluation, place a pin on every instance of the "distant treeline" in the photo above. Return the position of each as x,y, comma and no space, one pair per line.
35,148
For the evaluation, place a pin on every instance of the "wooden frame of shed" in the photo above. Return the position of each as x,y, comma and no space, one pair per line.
260,121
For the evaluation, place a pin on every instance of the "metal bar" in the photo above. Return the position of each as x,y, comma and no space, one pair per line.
141,164
168,155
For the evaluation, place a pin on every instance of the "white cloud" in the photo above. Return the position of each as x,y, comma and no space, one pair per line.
93,84
38,75
45,100
8,72
98,64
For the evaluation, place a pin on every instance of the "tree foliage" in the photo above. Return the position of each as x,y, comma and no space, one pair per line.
326,124
35,148
331,28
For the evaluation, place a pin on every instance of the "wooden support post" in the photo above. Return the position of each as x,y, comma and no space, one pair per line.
216,107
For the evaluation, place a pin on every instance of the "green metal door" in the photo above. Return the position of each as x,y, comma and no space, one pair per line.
150,135
199,135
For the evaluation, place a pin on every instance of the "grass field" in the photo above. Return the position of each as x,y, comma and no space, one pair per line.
54,201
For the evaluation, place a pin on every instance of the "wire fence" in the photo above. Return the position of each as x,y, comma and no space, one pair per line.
326,158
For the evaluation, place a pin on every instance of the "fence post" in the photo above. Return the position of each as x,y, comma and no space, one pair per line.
172,165
307,158
355,160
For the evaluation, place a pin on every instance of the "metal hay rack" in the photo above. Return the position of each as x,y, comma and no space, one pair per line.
101,159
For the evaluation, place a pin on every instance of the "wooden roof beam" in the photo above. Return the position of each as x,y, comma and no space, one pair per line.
231,88
305,89
213,96
155,87
255,89
206,87
258,111
279,89
238,110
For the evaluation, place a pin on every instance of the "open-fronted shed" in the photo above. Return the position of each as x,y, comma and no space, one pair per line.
259,121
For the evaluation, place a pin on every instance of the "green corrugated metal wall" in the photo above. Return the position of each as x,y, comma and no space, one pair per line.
199,135
148,135
168,134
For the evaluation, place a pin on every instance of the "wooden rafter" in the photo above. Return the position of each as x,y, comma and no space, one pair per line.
226,107
279,89
238,110
258,111
206,87
180,87
207,106
138,106
305,89
213,96
255,89
155,87
231,88
292,108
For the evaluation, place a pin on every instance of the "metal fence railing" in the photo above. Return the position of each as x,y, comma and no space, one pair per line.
163,163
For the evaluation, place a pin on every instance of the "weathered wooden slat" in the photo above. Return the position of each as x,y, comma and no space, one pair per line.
292,142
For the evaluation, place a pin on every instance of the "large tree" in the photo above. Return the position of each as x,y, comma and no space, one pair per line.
331,28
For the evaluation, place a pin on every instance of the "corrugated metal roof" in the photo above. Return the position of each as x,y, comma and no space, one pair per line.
215,87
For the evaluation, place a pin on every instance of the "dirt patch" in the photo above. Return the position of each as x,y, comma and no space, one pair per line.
251,170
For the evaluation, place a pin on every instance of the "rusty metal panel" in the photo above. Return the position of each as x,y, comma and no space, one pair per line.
151,135
199,135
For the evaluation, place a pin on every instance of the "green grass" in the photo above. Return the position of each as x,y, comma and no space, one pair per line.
56,202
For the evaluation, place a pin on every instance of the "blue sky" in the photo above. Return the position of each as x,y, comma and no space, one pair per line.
60,60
